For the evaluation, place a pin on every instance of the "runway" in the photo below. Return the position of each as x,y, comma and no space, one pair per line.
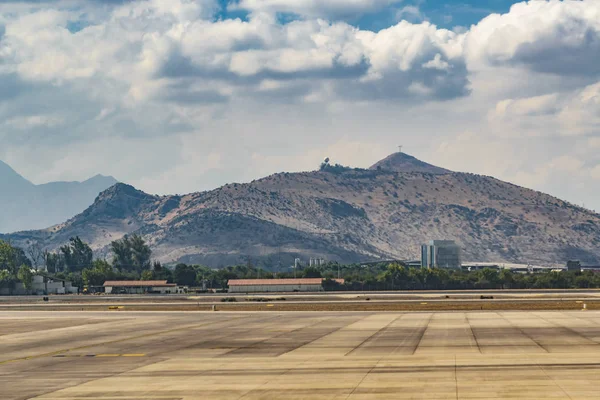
300,355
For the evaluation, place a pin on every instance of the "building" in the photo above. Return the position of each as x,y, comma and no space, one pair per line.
277,285
573,265
142,287
520,268
41,285
440,254
47,285
315,262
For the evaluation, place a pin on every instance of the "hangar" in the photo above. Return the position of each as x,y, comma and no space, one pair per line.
140,287
277,285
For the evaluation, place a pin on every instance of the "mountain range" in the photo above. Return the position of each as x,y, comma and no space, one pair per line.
343,214
24,205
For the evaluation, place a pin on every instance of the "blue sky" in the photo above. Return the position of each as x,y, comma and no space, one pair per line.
445,14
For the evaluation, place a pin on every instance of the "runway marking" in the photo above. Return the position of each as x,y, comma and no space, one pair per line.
54,353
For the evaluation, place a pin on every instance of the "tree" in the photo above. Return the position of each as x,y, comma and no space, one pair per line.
395,275
7,257
26,277
141,253
54,262
131,253
36,254
184,275
12,257
147,275
506,278
77,255
311,272
162,273
100,272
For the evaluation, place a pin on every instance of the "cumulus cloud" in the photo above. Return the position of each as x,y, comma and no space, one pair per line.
556,37
112,84
569,113
314,8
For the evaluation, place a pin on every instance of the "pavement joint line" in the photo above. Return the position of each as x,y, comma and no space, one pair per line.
423,333
375,334
266,319
555,382
456,376
320,320
369,371
53,353
566,328
473,333
320,337
523,332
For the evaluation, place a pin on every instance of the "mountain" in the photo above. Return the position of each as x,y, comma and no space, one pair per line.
24,205
344,214
402,162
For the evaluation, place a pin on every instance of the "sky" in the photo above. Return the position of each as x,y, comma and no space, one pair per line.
176,96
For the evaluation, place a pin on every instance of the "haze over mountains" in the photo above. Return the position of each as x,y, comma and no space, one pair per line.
342,214
24,205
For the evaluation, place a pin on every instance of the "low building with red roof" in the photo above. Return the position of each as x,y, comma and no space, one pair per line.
277,285
141,287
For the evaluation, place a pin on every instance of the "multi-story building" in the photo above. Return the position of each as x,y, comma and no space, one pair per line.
440,254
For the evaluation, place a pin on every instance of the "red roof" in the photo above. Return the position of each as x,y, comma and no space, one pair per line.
270,282
138,283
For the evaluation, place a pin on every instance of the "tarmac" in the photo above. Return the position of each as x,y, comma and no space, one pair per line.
299,355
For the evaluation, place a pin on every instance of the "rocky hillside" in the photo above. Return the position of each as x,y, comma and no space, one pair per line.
402,162
342,214
24,205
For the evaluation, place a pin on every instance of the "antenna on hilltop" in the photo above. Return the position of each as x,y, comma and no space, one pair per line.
400,149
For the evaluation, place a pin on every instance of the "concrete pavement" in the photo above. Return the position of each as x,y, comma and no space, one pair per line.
300,355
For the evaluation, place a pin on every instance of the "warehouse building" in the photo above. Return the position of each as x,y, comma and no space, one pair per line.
142,287
277,285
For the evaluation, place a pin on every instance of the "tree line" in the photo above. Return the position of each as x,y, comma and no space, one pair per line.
131,259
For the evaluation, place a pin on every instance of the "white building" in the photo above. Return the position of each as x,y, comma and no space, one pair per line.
142,287
41,285
277,285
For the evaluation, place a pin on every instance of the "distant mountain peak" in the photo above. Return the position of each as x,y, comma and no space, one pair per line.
402,162
122,189
24,205
9,175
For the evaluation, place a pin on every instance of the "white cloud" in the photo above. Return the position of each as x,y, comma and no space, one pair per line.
410,13
557,37
165,95
34,121
312,8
